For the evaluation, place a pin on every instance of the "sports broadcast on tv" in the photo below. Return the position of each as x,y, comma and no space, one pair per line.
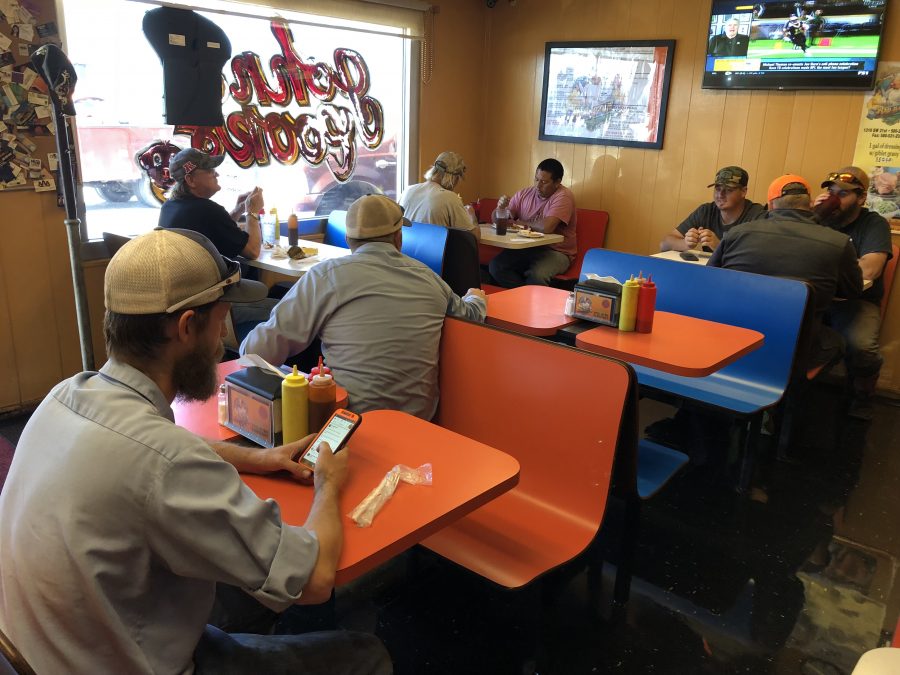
816,44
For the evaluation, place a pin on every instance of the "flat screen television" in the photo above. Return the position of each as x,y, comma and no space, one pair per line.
816,44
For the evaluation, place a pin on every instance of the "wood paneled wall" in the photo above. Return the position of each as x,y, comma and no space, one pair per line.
39,334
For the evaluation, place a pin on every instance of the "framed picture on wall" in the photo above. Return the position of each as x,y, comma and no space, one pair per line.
606,93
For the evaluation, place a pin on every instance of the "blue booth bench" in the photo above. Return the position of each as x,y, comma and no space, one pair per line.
423,241
773,306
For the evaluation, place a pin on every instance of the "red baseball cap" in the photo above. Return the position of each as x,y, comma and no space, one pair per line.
789,184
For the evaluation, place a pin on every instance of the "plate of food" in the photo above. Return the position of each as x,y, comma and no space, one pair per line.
529,234
302,252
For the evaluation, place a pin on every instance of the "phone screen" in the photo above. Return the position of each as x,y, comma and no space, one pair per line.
334,434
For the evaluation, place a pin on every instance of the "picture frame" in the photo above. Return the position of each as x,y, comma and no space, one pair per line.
606,93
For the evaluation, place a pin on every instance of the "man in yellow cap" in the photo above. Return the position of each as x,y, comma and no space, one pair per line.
378,313
789,242
858,320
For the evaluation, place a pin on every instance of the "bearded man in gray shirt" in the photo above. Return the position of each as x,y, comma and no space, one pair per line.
378,313
116,525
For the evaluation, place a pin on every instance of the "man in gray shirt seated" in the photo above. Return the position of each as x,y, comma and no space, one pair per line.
378,313
708,223
116,525
789,242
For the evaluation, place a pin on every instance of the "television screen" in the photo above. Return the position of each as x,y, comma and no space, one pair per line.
816,44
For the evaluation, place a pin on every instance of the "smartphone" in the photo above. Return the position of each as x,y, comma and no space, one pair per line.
688,256
336,432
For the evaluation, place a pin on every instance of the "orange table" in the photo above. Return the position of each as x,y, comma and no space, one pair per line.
533,310
202,418
682,345
466,474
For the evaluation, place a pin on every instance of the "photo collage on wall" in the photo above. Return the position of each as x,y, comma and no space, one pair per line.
26,114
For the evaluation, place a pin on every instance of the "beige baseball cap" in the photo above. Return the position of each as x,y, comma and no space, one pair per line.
373,216
171,269
451,163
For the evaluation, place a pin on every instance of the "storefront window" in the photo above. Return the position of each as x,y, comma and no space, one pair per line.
309,156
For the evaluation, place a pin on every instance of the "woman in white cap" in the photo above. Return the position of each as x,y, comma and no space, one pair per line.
435,201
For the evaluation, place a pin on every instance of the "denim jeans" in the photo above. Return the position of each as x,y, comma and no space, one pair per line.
336,652
248,647
535,266
252,312
859,321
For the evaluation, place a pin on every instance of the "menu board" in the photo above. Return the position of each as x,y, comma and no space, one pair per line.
28,158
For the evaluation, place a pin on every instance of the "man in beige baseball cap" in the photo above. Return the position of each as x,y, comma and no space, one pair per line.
170,269
436,200
378,313
109,499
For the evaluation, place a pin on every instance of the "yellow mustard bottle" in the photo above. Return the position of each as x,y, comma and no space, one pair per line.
294,407
628,310
274,213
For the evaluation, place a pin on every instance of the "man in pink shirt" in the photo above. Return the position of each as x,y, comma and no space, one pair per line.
547,207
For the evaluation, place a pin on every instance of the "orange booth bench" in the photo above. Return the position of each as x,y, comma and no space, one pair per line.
568,418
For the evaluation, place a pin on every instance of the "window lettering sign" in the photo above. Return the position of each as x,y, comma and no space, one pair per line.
336,112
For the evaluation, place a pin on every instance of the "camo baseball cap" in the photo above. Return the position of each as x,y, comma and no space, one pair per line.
731,176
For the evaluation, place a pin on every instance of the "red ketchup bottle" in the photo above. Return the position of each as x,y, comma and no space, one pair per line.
322,395
646,306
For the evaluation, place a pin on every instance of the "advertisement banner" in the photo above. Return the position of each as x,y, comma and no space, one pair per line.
878,143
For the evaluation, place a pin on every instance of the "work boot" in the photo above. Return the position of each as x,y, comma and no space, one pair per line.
861,406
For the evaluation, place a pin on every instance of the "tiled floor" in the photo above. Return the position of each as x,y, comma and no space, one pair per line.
797,578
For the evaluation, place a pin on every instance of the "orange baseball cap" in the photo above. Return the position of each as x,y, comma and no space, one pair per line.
789,184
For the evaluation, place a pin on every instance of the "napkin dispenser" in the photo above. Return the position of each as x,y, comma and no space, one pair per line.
254,405
598,301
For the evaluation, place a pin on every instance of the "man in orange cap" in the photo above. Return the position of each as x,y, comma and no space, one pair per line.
859,320
788,242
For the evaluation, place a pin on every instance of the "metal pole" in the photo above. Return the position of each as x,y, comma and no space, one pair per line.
65,151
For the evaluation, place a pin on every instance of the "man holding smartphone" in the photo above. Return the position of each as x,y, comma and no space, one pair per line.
116,525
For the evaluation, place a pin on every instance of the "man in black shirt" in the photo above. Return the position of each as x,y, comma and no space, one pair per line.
789,242
729,42
709,222
189,207
859,320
